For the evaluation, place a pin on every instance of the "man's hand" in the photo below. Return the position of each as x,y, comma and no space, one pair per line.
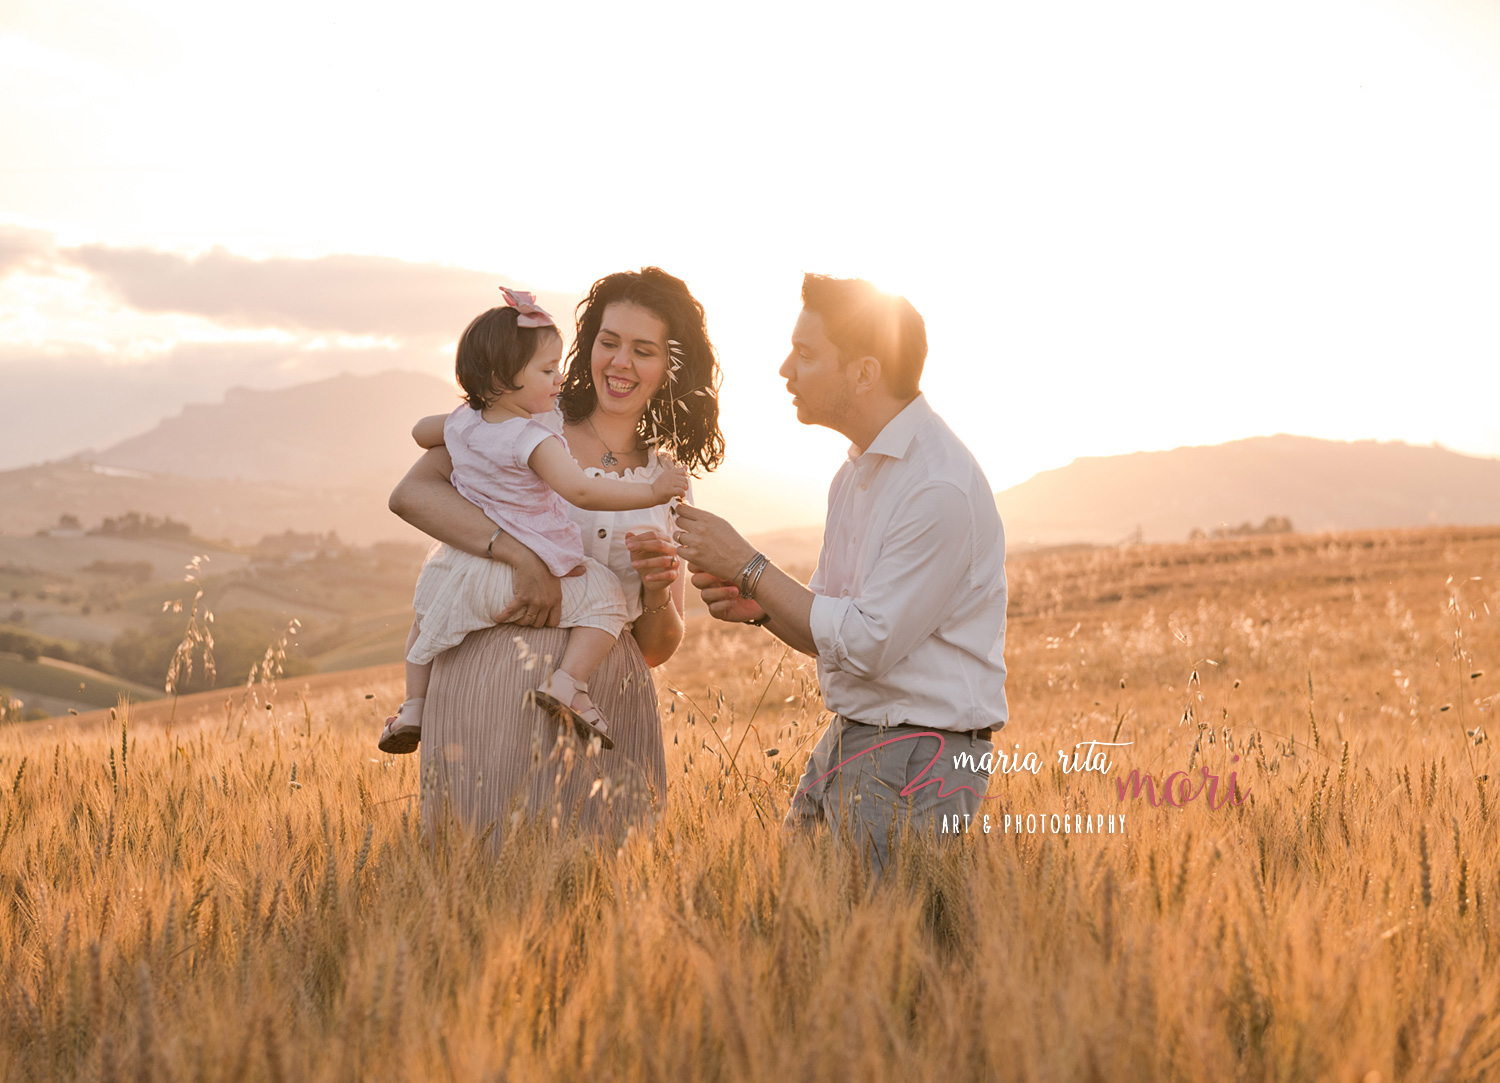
709,544
724,601
538,594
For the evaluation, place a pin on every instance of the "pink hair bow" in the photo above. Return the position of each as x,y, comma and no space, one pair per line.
530,314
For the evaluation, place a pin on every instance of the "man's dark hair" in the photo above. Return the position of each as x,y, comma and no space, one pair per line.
492,351
864,322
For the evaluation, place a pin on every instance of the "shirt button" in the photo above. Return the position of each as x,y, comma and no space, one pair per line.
844,593
603,533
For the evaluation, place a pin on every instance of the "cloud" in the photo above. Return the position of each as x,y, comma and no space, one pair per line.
338,294
25,249
58,400
362,295
61,396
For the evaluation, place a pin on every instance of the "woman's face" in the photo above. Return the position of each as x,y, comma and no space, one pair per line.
629,361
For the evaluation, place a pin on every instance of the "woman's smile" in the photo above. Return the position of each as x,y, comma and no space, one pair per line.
620,387
630,357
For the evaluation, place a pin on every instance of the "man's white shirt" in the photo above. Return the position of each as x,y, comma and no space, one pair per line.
909,618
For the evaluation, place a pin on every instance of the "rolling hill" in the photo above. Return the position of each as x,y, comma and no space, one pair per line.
1319,484
323,456
316,457
242,512
345,432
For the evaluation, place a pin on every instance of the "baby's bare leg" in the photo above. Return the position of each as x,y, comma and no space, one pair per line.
417,676
403,730
586,648
565,696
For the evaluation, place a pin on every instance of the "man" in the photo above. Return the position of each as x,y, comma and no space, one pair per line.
906,611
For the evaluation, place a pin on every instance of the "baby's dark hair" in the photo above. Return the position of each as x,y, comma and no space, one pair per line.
492,351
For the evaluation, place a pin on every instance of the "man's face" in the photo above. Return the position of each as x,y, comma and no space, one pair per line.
819,383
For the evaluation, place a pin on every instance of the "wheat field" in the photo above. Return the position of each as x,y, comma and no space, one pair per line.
249,895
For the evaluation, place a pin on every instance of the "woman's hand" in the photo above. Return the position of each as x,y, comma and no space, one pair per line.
654,558
538,593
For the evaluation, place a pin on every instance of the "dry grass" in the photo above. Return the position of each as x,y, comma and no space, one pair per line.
221,903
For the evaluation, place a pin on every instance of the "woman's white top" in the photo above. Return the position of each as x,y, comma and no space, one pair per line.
604,531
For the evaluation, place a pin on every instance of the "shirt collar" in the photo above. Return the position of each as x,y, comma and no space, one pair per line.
899,431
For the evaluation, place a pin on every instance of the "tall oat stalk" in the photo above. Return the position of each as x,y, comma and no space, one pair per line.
197,637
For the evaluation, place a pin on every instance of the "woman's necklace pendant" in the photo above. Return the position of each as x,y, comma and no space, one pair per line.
608,458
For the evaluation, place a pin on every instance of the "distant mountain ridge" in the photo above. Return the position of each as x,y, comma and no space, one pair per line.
325,455
1320,485
329,434
318,456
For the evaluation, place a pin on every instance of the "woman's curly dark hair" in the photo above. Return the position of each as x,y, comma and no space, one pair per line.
697,443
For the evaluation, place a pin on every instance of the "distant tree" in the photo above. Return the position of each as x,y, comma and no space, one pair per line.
67,521
289,542
135,525
32,647
1272,524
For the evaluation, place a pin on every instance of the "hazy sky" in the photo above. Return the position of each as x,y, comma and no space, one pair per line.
1130,226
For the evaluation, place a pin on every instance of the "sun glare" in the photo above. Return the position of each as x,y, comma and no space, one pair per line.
1100,219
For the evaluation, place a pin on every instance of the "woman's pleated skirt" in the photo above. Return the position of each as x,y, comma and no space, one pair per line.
491,762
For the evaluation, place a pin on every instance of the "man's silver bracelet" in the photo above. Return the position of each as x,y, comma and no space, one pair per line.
750,575
755,578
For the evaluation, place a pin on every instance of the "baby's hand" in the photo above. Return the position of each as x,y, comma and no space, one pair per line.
671,482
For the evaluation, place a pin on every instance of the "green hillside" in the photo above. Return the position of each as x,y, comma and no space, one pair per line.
65,680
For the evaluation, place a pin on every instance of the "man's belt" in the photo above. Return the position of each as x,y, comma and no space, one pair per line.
984,734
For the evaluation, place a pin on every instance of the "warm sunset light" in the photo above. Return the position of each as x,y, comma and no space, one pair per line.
1128,227
1108,699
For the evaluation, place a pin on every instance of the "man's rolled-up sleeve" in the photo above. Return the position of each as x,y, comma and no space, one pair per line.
925,555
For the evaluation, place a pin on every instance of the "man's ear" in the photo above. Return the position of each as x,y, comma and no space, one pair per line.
866,374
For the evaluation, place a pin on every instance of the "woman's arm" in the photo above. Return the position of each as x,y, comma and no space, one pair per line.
426,500
659,633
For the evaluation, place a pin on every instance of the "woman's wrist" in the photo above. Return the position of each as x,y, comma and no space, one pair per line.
654,601
504,549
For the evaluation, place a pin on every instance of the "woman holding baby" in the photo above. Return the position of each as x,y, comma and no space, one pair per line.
641,382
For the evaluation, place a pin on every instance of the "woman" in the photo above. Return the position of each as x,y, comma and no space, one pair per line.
642,375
